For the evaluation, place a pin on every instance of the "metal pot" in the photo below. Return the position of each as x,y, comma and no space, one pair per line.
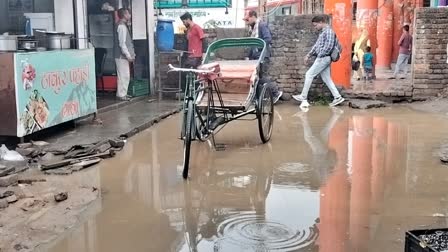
8,43
55,42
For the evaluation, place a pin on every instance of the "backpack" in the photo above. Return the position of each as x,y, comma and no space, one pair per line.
337,50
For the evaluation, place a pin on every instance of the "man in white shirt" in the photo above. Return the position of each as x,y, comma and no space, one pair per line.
124,54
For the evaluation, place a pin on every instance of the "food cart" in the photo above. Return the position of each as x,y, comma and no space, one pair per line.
41,89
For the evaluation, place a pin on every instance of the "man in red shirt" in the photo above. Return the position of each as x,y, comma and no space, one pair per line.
195,35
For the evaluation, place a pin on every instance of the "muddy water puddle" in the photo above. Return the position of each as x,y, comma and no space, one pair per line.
329,180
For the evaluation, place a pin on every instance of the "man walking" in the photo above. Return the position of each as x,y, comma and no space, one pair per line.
322,49
260,29
124,54
195,35
405,44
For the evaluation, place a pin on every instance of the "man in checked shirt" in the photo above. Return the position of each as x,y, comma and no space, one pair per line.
322,49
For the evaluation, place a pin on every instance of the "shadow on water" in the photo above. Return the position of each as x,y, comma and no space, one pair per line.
330,180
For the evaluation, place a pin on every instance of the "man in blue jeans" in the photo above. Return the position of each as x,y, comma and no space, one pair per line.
322,49
260,29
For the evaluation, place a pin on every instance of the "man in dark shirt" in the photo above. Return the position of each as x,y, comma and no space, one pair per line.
260,29
195,35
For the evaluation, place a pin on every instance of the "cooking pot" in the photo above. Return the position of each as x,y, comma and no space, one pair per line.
8,43
58,41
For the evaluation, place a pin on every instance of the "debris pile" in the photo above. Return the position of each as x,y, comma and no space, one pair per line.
58,161
78,157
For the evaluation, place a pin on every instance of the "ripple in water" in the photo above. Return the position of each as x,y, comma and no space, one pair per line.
294,168
251,232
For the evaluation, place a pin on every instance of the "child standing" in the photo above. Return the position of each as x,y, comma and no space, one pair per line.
368,64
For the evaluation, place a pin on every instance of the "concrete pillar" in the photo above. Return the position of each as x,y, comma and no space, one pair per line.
366,21
81,23
341,11
385,30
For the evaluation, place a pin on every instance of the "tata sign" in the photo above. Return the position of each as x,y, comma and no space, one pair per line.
206,18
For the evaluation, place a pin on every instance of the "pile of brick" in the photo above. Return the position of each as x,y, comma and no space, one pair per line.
430,70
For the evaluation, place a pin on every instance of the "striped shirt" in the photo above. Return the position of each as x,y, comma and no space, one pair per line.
324,44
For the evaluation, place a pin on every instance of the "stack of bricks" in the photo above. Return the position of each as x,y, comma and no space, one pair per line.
293,38
430,68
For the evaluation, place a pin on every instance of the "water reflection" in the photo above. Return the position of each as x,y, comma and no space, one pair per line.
319,186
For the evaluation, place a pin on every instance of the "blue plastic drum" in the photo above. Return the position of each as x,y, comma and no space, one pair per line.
165,34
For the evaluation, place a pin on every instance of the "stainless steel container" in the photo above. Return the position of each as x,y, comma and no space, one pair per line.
8,43
57,41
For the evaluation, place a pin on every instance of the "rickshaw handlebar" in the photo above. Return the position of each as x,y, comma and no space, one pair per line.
191,70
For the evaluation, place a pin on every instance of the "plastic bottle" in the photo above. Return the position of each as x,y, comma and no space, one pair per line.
28,27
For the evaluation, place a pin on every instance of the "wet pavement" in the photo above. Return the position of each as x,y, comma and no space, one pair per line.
329,180
127,120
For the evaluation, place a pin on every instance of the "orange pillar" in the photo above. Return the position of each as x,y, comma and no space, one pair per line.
397,28
378,161
367,18
341,11
335,196
361,183
385,31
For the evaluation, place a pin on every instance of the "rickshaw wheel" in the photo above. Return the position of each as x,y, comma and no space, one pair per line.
187,140
265,113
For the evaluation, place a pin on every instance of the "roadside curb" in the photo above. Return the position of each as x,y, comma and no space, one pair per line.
150,123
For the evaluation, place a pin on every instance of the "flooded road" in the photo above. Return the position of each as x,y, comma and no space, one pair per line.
329,180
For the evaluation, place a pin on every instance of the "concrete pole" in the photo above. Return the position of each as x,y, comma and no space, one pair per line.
341,11
385,30
151,43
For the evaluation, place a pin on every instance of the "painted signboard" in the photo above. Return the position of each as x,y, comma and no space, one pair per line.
53,87
207,17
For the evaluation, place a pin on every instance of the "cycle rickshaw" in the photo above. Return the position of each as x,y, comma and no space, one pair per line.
221,91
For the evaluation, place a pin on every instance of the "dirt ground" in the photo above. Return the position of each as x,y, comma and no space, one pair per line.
36,219
436,105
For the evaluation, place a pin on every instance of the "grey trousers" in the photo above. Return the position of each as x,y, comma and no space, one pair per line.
320,66
402,64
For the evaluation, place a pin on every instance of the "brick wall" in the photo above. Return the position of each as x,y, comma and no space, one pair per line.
293,37
430,70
